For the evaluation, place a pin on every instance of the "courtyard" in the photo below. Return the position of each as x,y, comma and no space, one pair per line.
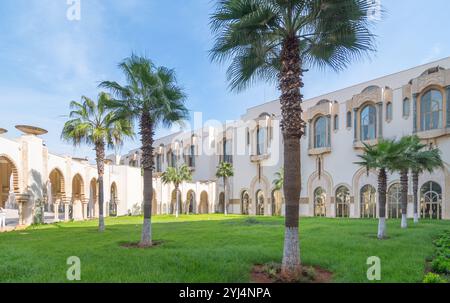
213,248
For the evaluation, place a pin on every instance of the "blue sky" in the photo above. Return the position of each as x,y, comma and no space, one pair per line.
46,60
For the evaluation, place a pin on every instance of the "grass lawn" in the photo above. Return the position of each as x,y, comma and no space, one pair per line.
213,248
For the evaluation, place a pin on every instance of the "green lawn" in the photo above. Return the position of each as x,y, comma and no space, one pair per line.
212,248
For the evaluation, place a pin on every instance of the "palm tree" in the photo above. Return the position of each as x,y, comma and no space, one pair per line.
381,157
152,97
225,171
274,41
94,124
278,182
176,176
422,160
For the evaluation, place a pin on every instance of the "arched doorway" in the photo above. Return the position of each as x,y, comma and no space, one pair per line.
58,193
368,202
76,207
9,183
260,202
342,202
154,204
320,198
394,201
203,208
221,205
245,202
190,202
93,199
277,201
431,201
114,200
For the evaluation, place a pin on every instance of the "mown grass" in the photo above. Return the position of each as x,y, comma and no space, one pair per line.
213,248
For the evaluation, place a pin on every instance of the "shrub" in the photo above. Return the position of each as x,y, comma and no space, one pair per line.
441,265
433,278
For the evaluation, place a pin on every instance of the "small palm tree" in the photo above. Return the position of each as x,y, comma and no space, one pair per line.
225,171
275,41
422,160
94,124
152,97
381,157
176,176
278,182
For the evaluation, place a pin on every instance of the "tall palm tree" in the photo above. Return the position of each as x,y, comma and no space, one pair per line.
225,171
381,157
152,97
176,176
94,124
422,160
275,41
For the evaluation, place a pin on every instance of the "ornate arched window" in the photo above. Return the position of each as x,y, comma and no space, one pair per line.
261,143
406,108
320,132
336,122
342,202
260,203
368,123
389,111
431,110
394,201
245,201
320,197
158,163
368,202
431,201
349,119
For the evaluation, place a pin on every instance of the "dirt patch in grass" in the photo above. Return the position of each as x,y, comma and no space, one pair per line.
271,273
137,245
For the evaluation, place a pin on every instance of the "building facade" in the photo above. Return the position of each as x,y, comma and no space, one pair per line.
414,101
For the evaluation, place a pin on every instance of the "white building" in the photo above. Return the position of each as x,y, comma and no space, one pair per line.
414,101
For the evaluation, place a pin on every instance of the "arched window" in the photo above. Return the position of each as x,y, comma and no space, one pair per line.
320,202
260,202
431,113
389,111
158,163
431,201
349,119
245,201
336,122
406,108
394,201
227,151
342,202
261,137
320,132
368,202
368,123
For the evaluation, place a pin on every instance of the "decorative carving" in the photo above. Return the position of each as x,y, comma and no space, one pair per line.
441,78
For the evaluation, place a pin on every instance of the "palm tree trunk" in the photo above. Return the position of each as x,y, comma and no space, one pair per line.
146,131
225,196
415,178
177,200
382,189
404,196
292,125
100,159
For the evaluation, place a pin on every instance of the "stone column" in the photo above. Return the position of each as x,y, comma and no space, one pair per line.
56,206
66,211
85,210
